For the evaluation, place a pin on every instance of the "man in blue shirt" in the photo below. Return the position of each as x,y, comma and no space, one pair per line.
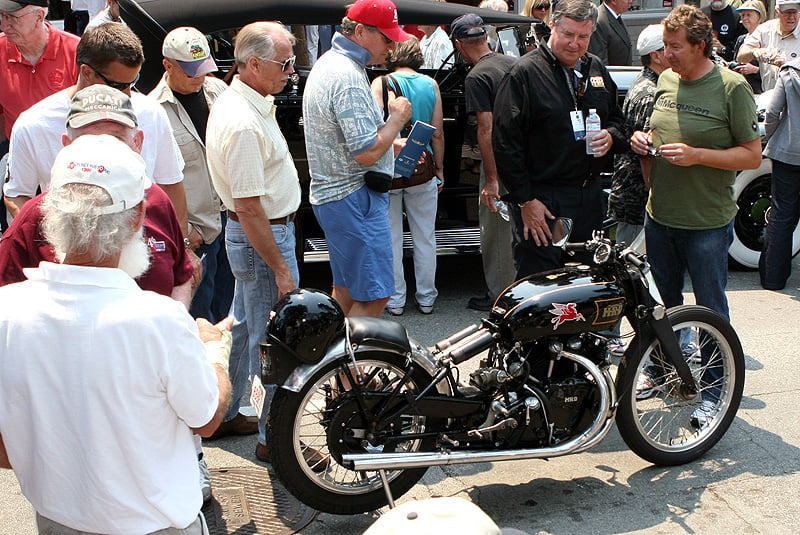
345,138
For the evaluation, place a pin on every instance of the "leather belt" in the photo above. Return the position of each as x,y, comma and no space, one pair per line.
278,221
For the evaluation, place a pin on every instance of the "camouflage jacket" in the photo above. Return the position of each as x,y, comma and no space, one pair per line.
628,191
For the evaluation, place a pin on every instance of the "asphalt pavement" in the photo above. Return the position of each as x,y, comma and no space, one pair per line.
748,483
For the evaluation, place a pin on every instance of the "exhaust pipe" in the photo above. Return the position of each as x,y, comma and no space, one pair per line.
405,461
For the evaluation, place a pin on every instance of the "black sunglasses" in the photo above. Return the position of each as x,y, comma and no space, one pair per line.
542,6
121,86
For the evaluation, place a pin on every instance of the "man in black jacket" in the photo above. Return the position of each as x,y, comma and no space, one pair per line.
538,137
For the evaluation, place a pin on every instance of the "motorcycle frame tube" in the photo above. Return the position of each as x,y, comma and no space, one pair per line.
338,351
612,388
404,461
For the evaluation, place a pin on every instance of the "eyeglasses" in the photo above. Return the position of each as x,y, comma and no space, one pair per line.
542,6
120,86
14,19
285,64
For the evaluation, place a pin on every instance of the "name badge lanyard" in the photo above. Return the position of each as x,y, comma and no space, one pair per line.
576,92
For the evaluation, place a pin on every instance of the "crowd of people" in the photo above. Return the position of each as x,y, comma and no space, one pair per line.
152,234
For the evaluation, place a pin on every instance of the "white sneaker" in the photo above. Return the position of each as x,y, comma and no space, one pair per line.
615,347
646,385
703,414
425,309
691,352
205,479
395,311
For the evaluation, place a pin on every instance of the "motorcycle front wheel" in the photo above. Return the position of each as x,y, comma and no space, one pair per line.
658,423
326,416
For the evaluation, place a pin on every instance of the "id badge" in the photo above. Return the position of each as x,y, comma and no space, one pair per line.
578,127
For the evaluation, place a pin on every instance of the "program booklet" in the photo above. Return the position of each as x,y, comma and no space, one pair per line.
418,139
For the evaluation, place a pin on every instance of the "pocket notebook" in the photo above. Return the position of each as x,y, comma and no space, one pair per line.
417,141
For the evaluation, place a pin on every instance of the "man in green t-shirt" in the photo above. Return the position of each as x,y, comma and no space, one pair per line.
704,128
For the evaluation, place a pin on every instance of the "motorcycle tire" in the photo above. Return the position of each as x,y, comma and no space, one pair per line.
325,416
655,420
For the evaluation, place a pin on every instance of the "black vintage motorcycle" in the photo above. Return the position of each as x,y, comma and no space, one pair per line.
364,410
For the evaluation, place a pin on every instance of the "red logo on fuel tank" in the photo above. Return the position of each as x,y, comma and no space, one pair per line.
562,313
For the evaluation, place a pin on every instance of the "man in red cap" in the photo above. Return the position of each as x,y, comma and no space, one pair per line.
346,139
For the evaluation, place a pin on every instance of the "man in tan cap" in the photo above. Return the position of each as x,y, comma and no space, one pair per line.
186,93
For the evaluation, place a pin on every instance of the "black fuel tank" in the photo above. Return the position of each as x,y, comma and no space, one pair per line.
571,300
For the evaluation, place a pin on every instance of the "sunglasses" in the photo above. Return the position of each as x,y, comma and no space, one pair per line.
542,6
376,30
285,64
120,86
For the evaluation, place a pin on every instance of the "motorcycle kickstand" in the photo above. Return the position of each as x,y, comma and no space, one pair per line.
386,488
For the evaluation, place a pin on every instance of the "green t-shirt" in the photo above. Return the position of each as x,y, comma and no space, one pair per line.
716,112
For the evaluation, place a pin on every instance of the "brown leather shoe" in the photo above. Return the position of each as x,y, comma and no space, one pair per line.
239,425
314,458
262,454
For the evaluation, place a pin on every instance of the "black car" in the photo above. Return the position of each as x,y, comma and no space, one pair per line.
457,217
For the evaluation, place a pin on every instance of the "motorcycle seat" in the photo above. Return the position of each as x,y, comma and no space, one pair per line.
379,333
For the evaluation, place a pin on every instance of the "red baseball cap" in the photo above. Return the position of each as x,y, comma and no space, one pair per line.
381,14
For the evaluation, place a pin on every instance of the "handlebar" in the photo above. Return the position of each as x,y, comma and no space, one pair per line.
579,246
631,257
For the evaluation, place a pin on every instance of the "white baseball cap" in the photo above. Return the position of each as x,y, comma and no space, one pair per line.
436,516
651,39
787,3
106,162
190,49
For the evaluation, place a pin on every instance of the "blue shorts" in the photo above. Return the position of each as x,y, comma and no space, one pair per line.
359,243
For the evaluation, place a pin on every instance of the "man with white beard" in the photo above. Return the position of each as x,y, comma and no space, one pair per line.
95,110
123,377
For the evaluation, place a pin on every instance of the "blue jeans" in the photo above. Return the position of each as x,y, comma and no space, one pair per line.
214,295
703,254
254,295
775,263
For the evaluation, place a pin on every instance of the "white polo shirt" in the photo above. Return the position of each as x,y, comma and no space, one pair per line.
100,383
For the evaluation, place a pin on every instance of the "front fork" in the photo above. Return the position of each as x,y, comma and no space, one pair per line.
651,315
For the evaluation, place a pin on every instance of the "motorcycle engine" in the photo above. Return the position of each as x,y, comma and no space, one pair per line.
558,400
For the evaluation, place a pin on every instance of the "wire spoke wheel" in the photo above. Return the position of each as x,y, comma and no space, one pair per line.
311,430
656,421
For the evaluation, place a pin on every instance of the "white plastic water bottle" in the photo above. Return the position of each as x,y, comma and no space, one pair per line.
592,128
502,209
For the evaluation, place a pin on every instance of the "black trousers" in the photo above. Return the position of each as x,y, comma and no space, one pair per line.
584,205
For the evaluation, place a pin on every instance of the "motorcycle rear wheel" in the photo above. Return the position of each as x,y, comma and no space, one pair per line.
662,428
323,416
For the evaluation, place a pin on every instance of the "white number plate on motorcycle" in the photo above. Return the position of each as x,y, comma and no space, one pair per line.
257,394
